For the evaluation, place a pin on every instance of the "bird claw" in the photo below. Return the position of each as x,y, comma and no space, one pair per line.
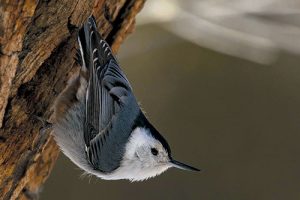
45,124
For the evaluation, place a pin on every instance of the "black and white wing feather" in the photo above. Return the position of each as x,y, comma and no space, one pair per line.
110,105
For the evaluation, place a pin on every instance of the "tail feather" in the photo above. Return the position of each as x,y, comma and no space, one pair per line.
90,40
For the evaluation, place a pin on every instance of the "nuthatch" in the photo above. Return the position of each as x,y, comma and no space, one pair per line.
98,123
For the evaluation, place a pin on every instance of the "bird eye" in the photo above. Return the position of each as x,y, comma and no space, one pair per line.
154,151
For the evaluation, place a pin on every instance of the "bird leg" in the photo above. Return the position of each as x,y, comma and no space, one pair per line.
45,124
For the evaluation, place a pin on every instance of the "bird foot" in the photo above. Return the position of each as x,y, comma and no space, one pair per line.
45,124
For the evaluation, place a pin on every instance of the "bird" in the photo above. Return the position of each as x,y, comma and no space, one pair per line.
98,123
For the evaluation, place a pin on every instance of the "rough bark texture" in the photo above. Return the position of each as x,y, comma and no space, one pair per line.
37,47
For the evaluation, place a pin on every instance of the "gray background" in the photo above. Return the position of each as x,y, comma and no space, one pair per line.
237,120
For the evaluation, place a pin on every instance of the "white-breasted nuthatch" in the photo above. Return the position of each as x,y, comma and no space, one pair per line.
99,124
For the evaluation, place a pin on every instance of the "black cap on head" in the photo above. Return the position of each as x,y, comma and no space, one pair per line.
142,121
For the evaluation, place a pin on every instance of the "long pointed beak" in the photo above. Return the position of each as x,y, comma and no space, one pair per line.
183,166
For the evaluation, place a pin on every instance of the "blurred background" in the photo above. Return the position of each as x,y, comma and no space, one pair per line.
220,79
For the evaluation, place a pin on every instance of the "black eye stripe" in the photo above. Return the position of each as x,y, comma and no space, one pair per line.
154,151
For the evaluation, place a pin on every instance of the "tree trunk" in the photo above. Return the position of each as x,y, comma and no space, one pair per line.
38,42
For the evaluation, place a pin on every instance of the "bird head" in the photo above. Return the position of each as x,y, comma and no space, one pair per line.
147,155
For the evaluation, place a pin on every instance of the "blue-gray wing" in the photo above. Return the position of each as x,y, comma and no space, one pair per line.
109,101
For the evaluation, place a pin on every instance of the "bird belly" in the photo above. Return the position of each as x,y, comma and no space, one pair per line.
68,133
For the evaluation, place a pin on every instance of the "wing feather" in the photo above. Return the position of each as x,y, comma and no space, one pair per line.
107,91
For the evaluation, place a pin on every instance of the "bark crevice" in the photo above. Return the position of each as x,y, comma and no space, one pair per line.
38,46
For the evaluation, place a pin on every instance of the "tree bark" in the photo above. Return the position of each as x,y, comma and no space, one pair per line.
37,50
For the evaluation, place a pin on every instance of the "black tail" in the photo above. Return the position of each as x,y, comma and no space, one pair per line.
89,40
